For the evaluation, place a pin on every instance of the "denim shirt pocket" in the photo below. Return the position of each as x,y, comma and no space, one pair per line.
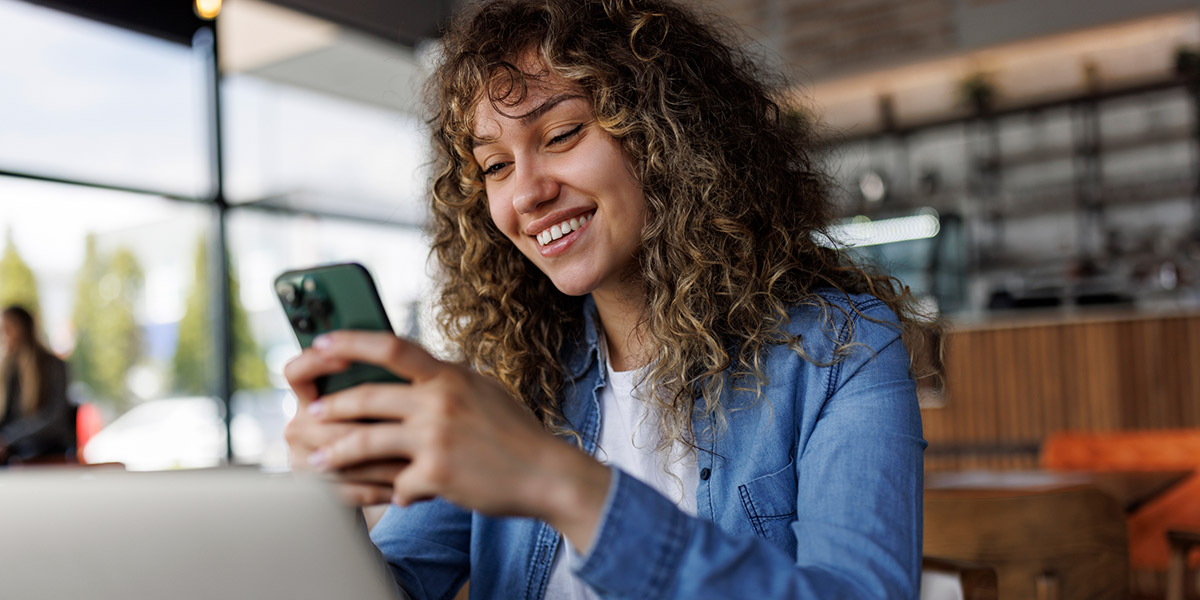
770,503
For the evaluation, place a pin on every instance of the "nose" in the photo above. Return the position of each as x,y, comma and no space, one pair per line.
534,186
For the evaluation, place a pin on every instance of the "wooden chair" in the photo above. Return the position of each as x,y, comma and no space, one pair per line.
1181,543
1066,543
1134,450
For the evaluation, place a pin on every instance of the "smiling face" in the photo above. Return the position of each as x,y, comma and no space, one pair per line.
561,188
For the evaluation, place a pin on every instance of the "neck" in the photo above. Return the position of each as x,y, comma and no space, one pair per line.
620,316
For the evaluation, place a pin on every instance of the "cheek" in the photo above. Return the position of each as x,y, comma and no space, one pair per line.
503,216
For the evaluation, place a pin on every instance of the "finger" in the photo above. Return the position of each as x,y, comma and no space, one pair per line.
366,443
378,401
363,494
402,357
301,372
376,473
412,486
307,434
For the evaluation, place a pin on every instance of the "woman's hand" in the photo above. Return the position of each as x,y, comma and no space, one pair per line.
454,434
363,485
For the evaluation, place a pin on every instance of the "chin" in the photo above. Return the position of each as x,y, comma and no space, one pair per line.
572,286
573,290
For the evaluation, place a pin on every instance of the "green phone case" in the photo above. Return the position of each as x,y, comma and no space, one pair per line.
329,297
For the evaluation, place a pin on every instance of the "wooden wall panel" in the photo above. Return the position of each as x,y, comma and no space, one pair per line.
1190,408
1008,386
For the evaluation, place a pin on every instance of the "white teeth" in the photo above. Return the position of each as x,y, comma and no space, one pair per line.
557,231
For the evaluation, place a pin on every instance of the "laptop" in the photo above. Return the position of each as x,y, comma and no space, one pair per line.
221,533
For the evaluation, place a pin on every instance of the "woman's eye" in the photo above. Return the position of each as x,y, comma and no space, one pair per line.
496,168
558,139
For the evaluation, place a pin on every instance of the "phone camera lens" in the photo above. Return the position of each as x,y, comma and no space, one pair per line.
303,324
290,294
319,307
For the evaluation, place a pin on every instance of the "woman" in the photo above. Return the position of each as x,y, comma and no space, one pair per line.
36,419
664,362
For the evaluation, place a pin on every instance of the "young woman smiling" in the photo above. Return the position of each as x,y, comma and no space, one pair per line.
672,384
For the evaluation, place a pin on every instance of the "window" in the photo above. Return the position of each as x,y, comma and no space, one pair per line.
91,102
102,271
105,186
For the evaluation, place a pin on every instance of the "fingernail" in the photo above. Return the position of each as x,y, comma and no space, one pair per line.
322,342
318,459
316,408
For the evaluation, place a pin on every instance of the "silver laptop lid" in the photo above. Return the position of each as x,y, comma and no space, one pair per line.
96,533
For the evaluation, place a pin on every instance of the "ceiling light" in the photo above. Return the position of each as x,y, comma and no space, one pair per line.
861,231
208,9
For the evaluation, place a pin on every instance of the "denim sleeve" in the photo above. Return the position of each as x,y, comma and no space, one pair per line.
858,505
427,547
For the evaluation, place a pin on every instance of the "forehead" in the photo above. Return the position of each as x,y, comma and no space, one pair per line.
511,99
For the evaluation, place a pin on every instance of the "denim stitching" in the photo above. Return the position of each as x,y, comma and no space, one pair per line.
539,548
836,372
776,517
599,545
660,566
751,510
659,577
712,463
548,550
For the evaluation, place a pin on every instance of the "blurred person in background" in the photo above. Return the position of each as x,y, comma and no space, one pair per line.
670,382
36,420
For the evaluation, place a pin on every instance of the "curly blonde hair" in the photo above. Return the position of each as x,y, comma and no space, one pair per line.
715,152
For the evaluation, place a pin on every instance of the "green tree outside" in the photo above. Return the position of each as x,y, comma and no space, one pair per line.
17,282
85,314
108,340
117,332
192,367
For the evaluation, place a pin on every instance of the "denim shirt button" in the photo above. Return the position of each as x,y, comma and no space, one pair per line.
704,473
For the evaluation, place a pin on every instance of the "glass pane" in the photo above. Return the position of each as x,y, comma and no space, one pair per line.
107,274
263,245
86,101
311,151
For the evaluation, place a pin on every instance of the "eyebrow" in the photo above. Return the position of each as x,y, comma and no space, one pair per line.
531,116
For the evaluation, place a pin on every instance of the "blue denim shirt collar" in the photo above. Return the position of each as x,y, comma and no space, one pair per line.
580,355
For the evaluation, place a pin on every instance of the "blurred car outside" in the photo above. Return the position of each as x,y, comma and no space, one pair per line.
189,433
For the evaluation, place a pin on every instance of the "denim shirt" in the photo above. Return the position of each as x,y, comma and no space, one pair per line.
812,492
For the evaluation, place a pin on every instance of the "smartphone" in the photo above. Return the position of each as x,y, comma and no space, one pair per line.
325,298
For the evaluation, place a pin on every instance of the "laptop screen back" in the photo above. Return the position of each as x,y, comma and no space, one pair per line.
223,533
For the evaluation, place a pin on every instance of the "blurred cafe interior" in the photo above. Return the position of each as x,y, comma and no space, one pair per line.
1030,169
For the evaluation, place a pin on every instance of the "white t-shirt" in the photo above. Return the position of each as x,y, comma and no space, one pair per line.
628,439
